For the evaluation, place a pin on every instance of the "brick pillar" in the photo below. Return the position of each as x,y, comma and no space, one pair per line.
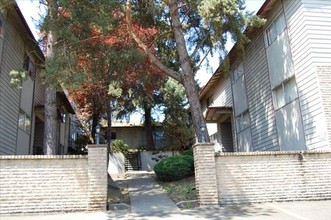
205,173
97,177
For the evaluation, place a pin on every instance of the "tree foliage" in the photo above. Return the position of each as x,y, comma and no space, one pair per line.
193,28
172,37
178,133
98,61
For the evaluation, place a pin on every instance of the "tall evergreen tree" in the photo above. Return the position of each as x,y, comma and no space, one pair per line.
191,28
187,32
178,133
50,132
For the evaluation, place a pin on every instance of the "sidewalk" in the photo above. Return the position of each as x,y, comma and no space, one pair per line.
148,201
146,195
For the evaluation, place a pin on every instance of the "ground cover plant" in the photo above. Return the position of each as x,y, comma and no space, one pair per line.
181,191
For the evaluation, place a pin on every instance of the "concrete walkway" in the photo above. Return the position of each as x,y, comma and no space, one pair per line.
148,201
146,195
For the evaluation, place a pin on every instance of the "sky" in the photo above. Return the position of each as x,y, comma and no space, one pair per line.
32,11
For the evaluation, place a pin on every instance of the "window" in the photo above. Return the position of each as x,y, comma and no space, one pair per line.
239,90
284,90
1,35
63,117
288,116
21,120
245,141
280,63
24,121
275,29
29,66
1,27
285,93
240,103
244,132
242,121
289,127
113,135
237,72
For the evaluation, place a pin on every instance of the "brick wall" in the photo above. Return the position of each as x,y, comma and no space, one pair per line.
324,77
205,173
273,176
97,177
44,183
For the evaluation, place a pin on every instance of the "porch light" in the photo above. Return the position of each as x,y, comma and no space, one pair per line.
203,134
97,134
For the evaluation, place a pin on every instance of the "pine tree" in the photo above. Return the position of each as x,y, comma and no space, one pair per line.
199,27
178,134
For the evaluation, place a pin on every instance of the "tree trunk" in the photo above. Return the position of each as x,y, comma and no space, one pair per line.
188,76
109,113
50,93
148,127
50,121
95,121
108,135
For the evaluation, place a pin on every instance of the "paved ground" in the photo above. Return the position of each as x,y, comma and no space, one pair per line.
147,196
148,201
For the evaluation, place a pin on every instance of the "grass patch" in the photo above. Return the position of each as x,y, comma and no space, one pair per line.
181,190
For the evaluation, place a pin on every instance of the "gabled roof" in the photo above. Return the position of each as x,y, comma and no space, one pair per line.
28,32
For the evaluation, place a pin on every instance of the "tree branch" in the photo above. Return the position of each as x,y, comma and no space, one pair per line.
151,56
196,49
159,37
181,6
203,59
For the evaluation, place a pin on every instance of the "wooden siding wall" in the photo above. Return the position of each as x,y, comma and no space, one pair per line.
318,15
12,58
39,99
132,136
309,31
308,26
259,94
222,95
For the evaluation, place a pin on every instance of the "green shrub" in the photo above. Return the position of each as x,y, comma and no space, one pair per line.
188,152
174,168
189,159
119,146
